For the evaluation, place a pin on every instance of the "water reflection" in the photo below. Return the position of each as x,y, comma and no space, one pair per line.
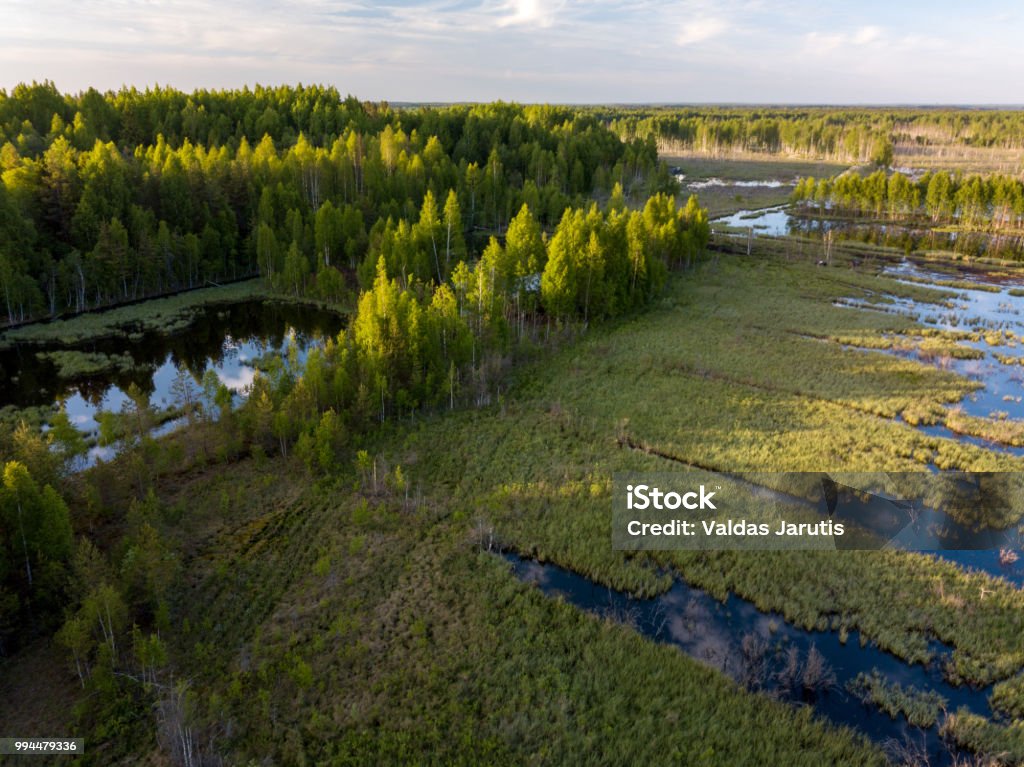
758,648
771,221
784,220
225,339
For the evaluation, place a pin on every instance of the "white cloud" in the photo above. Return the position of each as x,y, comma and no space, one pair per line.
529,12
866,35
828,42
700,30
816,42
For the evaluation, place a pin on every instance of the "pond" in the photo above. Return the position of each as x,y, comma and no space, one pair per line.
228,339
758,649
773,221
714,181
782,220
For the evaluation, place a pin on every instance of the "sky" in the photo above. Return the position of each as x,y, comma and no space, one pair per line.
564,51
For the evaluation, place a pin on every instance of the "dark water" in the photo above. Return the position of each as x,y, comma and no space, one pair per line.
987,561
715,632
227,339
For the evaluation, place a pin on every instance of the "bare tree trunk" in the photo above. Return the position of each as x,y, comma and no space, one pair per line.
24,545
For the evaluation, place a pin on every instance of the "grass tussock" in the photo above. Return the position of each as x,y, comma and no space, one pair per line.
1000,744
997,429
920,707
72,364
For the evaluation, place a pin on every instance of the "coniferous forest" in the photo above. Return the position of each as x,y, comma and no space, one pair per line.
112,198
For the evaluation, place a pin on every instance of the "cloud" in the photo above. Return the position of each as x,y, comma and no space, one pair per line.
700,30
817,42
828,42
526,50
866,35
529,13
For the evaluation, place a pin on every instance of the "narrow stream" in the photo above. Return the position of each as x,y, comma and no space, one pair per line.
754,648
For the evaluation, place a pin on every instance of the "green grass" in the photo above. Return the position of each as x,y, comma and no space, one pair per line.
1003,743
763,168
954,284
1008,697
343,625
722,376
920,707
796,248
1002,430
161,314
724,201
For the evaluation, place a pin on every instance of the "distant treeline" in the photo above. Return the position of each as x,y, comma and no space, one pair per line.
112,197
993,202
842,134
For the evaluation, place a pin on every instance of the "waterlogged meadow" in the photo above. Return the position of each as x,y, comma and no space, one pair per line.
976,333
741,370
362,618
725,186
357,612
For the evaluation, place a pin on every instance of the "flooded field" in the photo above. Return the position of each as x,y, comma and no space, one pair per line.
782,220
988,317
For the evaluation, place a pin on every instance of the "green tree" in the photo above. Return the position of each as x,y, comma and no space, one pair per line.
559,285
36,525
296,270
882,152
524,244
329,229
428,232
454,242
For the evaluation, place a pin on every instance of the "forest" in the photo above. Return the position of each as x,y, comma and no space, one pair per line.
434,323
109,198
